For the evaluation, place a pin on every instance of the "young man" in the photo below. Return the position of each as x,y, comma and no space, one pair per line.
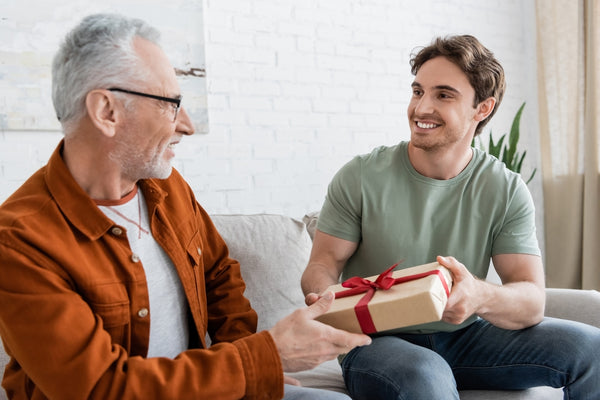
435,196
111,274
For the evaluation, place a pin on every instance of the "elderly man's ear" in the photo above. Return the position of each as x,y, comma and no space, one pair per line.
103,111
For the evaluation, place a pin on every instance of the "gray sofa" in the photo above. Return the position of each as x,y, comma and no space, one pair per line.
273,251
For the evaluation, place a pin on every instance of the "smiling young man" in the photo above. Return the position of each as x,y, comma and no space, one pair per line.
437,198
111,273
442,119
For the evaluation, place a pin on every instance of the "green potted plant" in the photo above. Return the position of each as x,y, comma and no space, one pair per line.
507,153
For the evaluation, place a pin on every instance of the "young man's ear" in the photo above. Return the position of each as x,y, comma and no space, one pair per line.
101,108
485,108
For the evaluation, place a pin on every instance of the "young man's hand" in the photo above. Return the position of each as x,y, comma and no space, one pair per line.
465,296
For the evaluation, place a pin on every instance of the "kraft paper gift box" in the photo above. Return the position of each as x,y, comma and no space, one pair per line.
391,300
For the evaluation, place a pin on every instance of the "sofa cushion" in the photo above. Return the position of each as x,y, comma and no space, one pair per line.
329,376
273,251
574,304
310,220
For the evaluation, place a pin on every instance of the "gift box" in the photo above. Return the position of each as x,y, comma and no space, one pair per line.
391,300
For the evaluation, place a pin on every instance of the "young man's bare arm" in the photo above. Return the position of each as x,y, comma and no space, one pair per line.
327,260
516,304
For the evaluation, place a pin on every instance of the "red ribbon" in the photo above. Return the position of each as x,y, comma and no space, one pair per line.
384,281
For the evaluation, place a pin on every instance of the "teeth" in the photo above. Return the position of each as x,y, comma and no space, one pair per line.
426,126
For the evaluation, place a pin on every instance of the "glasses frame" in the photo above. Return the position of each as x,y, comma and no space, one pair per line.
173,100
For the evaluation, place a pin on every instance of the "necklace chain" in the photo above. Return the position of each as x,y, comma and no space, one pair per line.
139,223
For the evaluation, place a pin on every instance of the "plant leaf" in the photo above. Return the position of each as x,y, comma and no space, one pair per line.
513,137
531,177
519,164
494,149
507,153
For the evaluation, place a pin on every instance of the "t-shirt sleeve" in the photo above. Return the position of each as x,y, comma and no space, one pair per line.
341,212
518,233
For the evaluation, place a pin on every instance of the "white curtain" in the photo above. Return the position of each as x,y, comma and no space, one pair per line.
568,53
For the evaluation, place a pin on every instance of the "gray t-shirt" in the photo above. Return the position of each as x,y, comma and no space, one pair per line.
394,213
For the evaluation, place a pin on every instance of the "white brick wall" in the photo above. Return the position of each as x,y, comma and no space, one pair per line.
297,87
307,84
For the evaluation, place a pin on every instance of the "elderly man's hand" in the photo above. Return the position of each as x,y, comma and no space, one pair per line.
304,343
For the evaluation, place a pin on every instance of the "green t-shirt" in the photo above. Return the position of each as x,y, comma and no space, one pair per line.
394,213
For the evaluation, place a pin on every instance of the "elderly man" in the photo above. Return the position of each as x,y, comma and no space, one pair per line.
111,274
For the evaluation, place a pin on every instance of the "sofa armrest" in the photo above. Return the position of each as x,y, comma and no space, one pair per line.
573,304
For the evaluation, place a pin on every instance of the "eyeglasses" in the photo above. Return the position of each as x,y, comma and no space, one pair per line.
176,101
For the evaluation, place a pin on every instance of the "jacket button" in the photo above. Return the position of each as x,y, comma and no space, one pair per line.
142,312
135,258
117,231
199,251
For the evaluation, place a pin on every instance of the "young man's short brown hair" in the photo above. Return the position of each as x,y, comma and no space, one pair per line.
484,72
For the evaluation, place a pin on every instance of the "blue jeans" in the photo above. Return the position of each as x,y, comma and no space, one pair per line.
557,353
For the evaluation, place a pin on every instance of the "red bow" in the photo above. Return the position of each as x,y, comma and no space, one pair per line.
360,285
384,281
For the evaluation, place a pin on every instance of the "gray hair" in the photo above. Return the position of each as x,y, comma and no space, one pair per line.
96,54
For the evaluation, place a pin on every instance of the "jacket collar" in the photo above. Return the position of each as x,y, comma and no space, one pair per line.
77,206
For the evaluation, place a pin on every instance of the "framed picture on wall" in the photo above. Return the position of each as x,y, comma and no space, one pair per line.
30,34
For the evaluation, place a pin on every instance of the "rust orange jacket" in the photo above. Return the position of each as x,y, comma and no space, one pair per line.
70,292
